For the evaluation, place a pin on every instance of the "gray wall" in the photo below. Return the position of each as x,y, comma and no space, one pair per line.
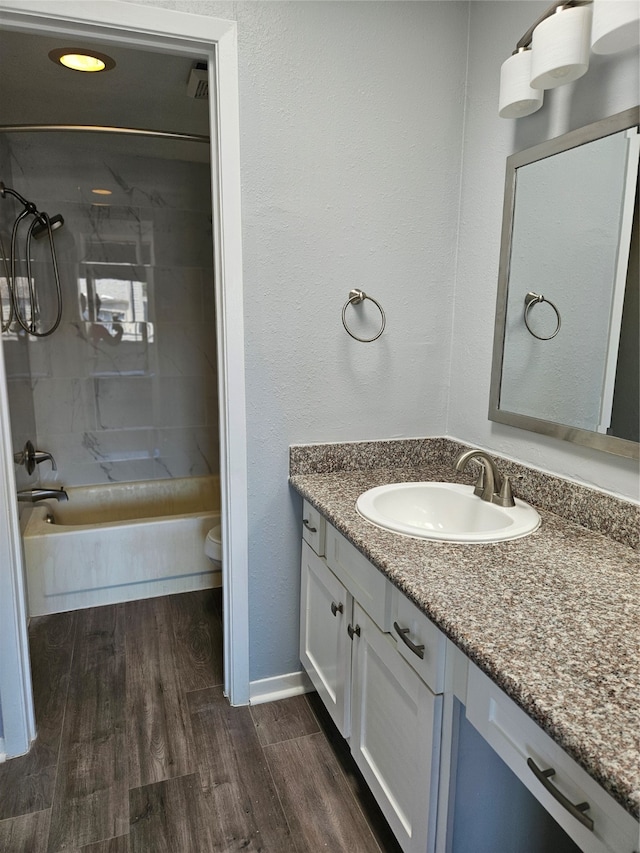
351,120
610,86
351,125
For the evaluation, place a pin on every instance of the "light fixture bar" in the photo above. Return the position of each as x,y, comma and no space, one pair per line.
527,38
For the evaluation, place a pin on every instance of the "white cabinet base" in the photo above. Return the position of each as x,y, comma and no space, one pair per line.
395,735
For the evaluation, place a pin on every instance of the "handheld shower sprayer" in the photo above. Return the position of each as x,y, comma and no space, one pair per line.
40,225
41,228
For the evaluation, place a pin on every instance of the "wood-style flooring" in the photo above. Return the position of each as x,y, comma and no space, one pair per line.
138,751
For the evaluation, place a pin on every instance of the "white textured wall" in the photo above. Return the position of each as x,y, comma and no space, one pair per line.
351,132
610,85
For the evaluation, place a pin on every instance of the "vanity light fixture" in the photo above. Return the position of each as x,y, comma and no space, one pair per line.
79,59
561,47
517,98
555,49
616,25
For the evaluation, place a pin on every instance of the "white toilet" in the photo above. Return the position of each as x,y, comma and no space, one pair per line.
213,546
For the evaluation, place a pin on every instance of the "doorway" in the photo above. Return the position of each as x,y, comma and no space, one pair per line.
196,37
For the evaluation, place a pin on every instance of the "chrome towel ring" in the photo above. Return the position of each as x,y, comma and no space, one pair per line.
355,298
532,299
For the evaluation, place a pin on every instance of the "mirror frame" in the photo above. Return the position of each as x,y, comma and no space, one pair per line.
608,443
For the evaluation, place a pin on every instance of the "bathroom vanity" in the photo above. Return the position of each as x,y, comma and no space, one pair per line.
530,642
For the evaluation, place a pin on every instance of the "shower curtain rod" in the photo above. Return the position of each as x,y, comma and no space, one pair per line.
99,128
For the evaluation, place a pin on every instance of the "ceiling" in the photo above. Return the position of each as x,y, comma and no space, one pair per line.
145,89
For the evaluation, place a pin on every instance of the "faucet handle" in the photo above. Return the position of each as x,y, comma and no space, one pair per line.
42,456
505,496
26,457
478,489
30,457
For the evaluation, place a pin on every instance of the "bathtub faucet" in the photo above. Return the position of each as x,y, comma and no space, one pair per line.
35,495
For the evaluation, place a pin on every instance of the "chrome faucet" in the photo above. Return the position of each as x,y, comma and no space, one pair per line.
35,495
491,485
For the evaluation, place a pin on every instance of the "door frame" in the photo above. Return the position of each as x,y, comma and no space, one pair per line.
159,30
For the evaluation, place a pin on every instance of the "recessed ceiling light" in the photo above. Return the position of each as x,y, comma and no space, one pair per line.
79,59
102,192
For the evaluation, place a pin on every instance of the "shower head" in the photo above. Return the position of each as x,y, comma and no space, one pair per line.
41,227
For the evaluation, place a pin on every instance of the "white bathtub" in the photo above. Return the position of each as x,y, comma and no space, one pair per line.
119,542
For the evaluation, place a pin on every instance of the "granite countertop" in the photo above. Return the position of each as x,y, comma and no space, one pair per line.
552,618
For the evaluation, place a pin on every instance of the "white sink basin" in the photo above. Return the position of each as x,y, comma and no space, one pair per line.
447,512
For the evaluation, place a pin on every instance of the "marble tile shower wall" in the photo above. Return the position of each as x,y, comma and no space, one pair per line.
16,353
125,389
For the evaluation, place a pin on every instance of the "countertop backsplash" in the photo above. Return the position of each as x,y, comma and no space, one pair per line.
599,512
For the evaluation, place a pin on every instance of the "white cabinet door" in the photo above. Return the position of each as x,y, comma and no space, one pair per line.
325,647
395,735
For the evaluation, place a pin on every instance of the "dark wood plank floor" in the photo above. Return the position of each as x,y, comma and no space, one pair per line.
138,751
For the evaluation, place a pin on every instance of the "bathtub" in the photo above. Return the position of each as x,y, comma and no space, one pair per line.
119,542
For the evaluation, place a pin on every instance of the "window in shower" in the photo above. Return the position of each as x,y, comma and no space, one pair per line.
113,288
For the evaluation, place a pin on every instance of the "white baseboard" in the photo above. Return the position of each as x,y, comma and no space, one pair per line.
279,687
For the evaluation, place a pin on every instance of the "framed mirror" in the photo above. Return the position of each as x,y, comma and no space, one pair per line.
566,352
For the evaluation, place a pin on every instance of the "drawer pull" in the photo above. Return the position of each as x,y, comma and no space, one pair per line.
337,608
351,631
402,632
576,810
306,523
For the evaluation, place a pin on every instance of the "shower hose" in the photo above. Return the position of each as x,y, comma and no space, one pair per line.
41,223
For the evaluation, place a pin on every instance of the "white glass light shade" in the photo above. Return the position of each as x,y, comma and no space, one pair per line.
517,98
561,48
616,25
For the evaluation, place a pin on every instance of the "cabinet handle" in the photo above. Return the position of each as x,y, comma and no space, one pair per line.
337,608
576,810
306,523
351,631
402,632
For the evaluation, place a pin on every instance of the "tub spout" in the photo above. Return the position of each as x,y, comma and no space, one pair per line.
35,495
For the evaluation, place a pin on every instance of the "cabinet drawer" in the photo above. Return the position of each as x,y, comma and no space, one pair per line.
366,584
516,739
420,643
313,528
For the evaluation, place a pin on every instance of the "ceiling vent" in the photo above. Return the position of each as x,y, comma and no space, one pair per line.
198,82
